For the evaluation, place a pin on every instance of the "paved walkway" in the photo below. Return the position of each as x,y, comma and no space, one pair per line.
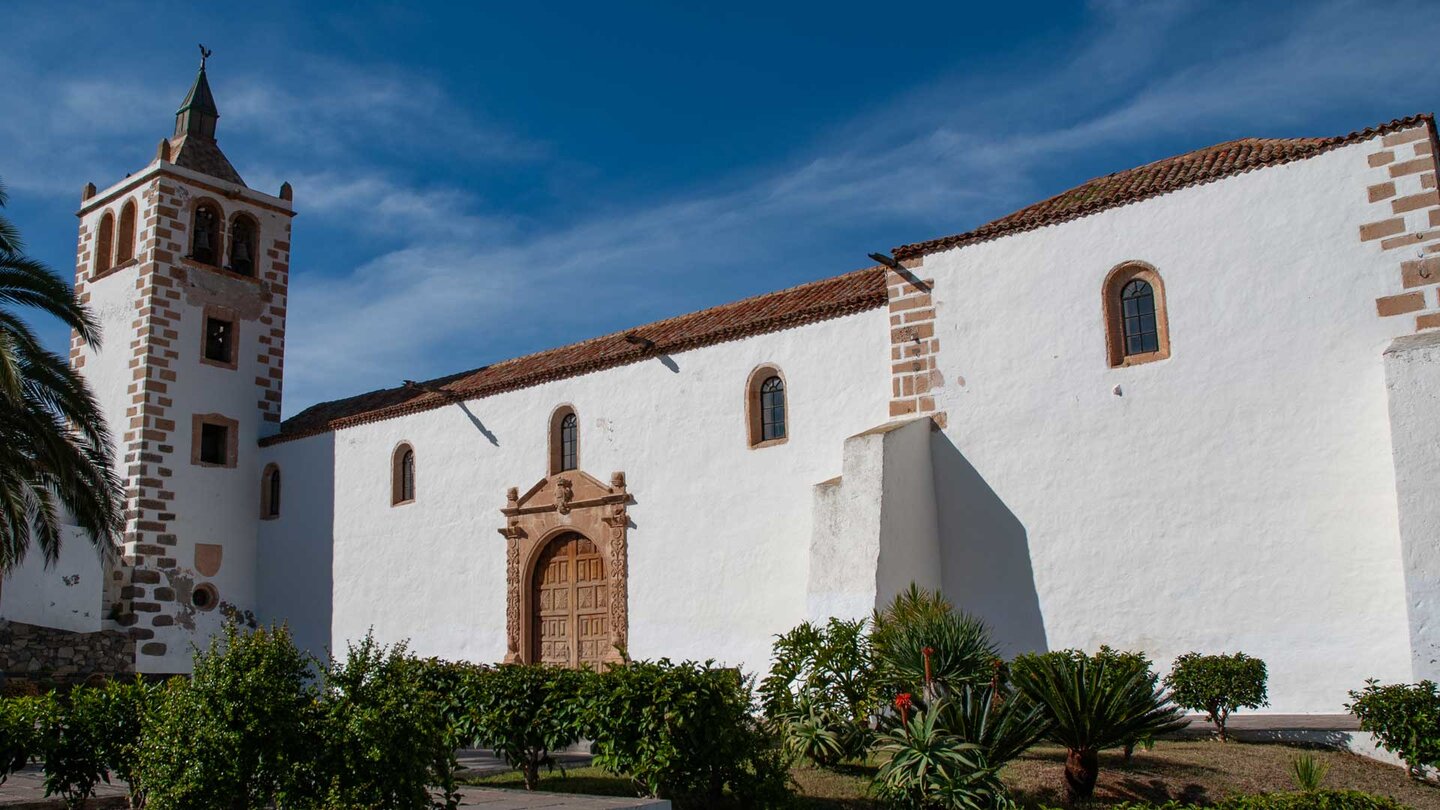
25,790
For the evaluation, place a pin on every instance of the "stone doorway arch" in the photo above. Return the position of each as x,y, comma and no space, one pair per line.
565,521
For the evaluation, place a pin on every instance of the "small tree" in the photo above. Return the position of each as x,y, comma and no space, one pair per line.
526,712
380,730
1405,719
1090,711
19,732
237,735
822,689
1218,685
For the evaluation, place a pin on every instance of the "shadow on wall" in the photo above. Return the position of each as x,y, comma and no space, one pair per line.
296,551
985,564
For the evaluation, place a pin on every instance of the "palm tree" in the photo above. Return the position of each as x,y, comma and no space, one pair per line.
1090,712
54,447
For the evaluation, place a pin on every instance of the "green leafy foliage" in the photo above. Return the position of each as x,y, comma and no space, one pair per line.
822,690
1089,710
1001,726
1308,772
961,650
1405,719
684,732
19,732
526,711
71,744
379,731
1218,685
1119,666
237,734
924,765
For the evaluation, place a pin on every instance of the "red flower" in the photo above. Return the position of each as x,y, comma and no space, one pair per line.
929,651
903,701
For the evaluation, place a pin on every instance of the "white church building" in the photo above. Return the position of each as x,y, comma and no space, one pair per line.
1193,405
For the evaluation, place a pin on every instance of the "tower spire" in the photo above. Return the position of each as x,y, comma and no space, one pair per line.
197,114
193,145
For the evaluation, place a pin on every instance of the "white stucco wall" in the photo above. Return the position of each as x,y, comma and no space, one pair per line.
1412,377
1237,496
65,595
718,553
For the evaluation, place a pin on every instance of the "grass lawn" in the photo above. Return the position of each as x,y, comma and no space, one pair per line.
1188,770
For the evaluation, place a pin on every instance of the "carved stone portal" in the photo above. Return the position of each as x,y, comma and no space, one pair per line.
561,505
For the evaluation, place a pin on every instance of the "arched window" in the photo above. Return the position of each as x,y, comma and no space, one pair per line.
125,235
765,409
105,244
564,440
402,475
205,238
243,245
270,492
1136,326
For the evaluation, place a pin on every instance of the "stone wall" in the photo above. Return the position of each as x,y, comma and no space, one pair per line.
30,652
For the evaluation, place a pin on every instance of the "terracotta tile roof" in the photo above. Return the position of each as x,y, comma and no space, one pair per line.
809,303
203,155
1153,179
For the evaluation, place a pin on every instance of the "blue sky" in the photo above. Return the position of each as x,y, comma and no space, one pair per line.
477,181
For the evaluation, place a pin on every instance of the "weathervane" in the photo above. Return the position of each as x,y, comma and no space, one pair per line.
204,54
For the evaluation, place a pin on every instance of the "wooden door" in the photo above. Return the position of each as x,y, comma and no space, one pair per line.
570,604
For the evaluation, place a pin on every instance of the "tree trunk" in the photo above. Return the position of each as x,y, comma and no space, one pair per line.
1082,768
532,774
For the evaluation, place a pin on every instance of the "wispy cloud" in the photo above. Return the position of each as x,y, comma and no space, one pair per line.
967,147
454,278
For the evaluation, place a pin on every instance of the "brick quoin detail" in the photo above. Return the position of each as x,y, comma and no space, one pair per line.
915,378
1406,208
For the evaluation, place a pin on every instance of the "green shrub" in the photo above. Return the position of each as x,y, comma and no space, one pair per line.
237,734
1089,710
380,732
923,765
72,744
960,649
526,711
19,732
1315,800
685,732
822,690
1405,719
1218,685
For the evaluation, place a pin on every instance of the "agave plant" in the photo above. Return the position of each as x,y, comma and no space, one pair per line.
922,643
815,734
1090,710
1002,728
923,765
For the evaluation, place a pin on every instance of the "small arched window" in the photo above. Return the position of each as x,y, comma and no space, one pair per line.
402,475
1137,328
270,492
564,440
765,407
125,235
205,238
243,245
105,244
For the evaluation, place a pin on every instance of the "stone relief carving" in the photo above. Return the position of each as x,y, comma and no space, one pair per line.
570,502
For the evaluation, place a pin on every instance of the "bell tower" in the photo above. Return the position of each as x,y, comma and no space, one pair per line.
187,269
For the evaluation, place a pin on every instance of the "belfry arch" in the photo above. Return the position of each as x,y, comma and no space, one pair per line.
566,571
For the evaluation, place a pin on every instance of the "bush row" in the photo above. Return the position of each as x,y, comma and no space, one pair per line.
261,724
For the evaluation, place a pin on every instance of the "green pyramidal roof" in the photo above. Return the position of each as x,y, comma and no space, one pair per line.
199,99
